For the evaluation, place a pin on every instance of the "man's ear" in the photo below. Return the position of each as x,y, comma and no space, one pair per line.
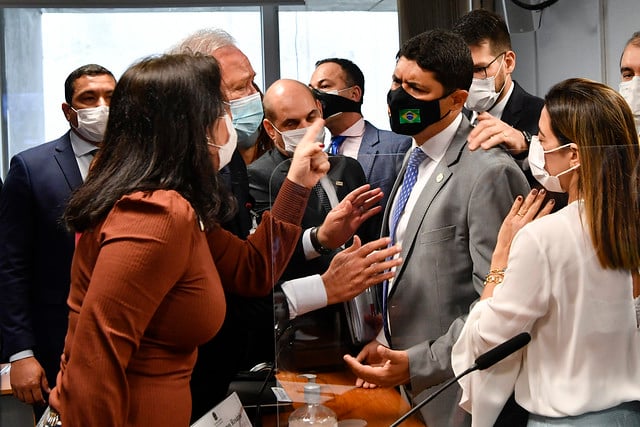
268,127
356,93
510,61
66,110
458,98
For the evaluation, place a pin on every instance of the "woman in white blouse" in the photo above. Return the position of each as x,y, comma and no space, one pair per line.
568,278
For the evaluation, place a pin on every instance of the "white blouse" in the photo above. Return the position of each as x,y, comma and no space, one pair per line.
584,354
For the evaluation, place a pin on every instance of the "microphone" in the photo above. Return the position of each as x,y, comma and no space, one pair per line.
482,362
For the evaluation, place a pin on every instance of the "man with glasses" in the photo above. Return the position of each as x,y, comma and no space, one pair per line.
501,110
339,85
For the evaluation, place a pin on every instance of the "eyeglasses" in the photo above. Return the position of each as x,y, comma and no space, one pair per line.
481,72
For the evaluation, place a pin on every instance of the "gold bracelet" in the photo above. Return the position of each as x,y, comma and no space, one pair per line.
495,276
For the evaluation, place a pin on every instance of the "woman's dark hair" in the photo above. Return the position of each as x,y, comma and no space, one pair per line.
156,138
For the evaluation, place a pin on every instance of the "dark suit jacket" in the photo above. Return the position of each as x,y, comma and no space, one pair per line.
235,178
522,110
36,251
381,154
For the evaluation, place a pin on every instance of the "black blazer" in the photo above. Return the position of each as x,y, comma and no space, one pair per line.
36,252
522,110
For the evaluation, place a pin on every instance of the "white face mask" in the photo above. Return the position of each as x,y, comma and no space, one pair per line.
482,93
293,137
225,152
537,162
92,122
630,90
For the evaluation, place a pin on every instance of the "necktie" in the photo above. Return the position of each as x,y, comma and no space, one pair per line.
336,142
322,196
410,177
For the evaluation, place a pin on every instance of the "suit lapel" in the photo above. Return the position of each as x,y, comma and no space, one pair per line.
368,151
437,183
514,106
66,160
281,165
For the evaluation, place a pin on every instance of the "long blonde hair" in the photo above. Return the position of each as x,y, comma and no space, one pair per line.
599,121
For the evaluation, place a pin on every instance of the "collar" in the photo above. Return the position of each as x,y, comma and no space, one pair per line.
498,109
436,146
79,145
356,129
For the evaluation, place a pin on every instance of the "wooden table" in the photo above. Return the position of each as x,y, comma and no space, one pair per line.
379,407
5,380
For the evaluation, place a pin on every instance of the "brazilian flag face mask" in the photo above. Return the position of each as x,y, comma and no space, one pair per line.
409,115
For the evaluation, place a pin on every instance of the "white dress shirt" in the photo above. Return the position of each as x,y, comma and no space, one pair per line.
351,145
84,152
584,354
308,293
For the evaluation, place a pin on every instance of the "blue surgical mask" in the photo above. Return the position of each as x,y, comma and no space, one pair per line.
247,114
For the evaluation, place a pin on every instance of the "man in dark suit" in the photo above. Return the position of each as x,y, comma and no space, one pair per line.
290,108
502,112
35,247
339,85
445,210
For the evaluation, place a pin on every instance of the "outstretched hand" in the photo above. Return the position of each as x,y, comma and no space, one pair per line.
358,267
385,368
344,219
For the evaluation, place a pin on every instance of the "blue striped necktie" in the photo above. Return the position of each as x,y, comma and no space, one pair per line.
409,181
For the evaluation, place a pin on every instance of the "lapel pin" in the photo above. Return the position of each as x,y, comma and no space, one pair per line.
440,177
339,183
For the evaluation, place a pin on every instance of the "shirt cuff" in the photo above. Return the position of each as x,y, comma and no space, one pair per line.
307,246
21,355
304,295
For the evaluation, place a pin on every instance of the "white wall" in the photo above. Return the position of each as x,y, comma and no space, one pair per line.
576,38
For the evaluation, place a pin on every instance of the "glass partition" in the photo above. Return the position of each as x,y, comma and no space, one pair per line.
310,346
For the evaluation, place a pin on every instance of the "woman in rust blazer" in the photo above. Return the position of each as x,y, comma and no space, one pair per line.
151,261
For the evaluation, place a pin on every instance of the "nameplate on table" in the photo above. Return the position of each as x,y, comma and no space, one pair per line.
228,413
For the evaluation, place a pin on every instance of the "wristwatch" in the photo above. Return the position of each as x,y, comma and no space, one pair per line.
527,138
317,246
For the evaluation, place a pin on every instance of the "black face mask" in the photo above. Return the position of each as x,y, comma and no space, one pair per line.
410,116
334,104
